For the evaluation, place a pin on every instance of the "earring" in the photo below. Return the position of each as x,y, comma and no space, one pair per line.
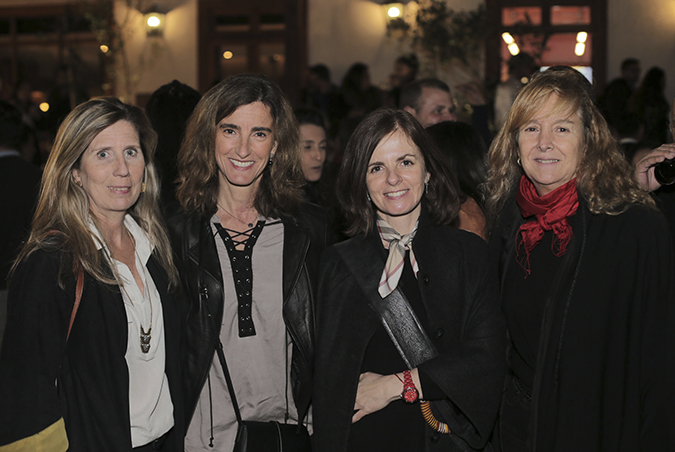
143,187
368,197
78,183
426,187
270,161
518,161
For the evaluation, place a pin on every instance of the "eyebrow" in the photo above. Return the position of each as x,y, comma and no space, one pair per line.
403,157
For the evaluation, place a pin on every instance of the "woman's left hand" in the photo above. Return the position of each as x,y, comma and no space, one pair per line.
374,393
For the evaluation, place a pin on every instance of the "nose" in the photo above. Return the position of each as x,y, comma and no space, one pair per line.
393,178
243,150
449,116
121,167
545,140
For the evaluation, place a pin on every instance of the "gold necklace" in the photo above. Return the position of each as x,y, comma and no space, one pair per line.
146,336
250,225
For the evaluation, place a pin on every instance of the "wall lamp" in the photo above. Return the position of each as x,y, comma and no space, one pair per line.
154,23
510,43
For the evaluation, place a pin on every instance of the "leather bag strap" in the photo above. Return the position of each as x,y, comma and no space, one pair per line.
394,311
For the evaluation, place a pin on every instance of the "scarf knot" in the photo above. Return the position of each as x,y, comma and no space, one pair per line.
544,213
398,244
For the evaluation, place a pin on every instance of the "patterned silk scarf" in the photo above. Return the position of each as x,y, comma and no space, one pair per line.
550,212
398,244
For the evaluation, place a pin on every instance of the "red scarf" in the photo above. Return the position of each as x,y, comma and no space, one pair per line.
550,212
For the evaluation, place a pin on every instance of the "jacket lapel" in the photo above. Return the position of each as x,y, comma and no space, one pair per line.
296,245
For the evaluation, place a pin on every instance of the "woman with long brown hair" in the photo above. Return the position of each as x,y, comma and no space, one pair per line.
410,337
247,250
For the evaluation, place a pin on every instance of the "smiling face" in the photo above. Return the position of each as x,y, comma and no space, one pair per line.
314,146
550,146
244,145
395,181
111,171
435,106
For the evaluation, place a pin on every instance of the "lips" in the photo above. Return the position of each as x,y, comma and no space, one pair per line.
240,164
120,190
396,194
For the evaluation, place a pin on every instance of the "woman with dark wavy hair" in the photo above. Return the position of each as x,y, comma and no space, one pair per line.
586,274
247,251
407,308
91,355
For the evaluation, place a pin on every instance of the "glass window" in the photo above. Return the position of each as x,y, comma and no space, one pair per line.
232,23
521,15
570,15
233,59
273,60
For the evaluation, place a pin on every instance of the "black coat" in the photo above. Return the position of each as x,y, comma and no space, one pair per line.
197,261
600,379
460,295
93,378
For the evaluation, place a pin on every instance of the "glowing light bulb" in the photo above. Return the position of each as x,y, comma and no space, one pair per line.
394,12
227,55
579,49
513,49
508,39
104,48
582,36
153,21
44,107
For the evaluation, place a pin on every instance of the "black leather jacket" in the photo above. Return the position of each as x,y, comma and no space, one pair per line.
197,262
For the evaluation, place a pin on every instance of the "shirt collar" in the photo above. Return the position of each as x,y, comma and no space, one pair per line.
143,246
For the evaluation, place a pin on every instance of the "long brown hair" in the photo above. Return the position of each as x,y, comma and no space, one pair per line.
604,177
279,192
442,197
62,216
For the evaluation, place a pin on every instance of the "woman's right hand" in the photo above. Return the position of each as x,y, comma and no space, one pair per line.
644,168
374,393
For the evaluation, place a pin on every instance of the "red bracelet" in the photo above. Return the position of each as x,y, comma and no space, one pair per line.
409,394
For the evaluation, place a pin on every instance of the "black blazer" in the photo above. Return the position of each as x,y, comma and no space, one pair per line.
197,261
92,394
458,286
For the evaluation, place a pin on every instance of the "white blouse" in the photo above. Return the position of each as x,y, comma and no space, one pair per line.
150,406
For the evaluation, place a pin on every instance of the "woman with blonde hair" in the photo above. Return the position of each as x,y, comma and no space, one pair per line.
247,251
586,271
90,357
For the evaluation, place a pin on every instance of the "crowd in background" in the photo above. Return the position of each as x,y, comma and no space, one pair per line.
597,234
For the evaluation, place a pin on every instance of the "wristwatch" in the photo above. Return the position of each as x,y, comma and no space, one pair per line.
409,394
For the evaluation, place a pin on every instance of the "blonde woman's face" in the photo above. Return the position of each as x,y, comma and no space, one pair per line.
111,171
550,146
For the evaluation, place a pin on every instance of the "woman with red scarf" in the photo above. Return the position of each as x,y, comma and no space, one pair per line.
586,272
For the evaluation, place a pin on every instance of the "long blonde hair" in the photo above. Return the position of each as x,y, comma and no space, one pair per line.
61,220
604,176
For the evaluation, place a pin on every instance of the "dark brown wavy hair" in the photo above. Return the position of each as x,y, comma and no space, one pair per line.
442,197
604,177
279,193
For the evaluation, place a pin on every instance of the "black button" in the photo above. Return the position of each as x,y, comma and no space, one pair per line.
426,280
435,436
439,333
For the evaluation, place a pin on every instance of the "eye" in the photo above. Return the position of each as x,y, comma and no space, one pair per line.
375,169
529,129
307,146
131,152
323,146
260,134
229,131
102,154
563,129
407,162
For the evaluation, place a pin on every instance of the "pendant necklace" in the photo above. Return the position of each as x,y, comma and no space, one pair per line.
250,224
146,336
